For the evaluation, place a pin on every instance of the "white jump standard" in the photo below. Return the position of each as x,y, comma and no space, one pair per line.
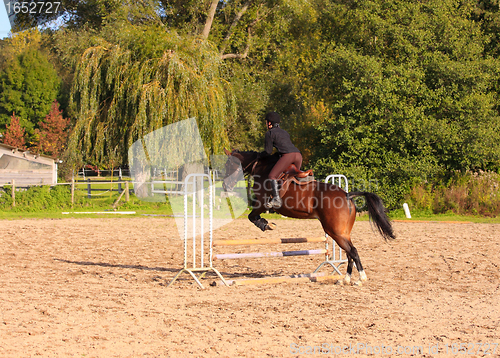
190,265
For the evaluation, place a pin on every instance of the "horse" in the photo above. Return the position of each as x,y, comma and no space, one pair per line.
331,205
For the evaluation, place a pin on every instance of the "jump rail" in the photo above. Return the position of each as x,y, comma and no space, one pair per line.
330,256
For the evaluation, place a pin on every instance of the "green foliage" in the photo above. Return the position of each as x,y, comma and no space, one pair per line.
36,198
410,94
487,15
392,94
246,130
28,86
58,198
185,15
471,193
133,79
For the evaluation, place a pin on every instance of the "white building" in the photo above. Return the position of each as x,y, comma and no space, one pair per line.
25,167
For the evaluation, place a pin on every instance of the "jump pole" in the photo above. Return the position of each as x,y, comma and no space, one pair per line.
269,254
291,240
332,258
190,246
310,277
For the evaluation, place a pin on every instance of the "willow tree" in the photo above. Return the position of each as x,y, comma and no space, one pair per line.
134,79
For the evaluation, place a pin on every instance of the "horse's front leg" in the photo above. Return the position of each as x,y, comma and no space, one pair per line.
258,208
260,222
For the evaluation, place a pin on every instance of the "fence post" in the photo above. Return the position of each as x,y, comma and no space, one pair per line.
72,192
13,193
89,191
126,192
120,180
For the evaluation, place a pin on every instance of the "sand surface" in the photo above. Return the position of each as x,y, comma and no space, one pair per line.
97,288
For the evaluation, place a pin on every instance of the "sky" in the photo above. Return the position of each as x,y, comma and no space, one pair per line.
4,22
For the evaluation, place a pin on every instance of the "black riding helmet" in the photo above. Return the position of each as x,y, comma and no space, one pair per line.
273,117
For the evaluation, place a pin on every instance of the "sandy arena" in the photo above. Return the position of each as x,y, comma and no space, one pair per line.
97,288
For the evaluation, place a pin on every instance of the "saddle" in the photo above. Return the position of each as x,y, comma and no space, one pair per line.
293,171
292,174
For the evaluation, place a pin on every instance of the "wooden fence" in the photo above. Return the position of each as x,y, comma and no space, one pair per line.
123,188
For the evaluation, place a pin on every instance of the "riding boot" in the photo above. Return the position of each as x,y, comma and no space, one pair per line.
276,200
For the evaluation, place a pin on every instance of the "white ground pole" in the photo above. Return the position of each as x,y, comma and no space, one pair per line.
190,244
335,260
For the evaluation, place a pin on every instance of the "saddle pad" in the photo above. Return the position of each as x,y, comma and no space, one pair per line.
306,179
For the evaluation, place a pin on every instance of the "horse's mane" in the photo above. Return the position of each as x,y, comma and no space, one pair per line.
264,164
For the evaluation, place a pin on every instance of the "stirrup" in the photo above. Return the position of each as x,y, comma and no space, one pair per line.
274,203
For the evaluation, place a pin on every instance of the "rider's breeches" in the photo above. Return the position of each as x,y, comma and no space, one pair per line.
284,162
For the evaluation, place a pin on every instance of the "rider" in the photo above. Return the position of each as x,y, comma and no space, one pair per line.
289,154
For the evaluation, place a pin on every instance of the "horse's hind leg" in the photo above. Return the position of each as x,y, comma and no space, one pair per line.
357,261
352,257
348,274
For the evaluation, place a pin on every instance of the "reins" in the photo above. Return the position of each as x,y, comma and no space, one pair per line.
254,162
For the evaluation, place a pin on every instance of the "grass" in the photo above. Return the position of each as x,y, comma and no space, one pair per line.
420,215
164,211
40,207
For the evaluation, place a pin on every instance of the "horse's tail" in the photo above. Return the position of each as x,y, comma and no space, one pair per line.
376,211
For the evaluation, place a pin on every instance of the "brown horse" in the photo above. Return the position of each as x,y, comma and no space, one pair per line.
328,203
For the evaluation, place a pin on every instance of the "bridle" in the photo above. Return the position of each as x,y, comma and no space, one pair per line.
252,163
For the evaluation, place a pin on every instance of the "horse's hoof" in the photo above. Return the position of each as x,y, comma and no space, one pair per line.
340,282
357,283
362,276
271,226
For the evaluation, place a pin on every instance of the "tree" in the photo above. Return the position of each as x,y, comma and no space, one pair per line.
14,135
75,13
28,86
390,90
133,79
53,133
411,95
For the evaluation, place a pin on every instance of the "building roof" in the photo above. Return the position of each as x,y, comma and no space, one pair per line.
26,153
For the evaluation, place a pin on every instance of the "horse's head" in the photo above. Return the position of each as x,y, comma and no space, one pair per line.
233,169
238,163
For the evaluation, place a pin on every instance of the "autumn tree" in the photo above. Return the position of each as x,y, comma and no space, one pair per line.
52,134
14,135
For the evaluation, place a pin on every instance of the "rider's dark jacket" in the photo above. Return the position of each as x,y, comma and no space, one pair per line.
279,138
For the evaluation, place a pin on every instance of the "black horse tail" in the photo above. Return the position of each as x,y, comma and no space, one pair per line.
376,211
